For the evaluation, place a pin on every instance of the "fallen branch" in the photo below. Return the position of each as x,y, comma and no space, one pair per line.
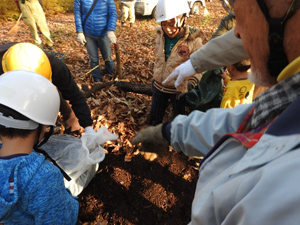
124,86
136,88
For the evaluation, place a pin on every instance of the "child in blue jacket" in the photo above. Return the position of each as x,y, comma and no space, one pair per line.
32,189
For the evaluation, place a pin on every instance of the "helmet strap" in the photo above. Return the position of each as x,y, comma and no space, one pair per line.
46,136
37,149
48,157
180,26
180,20
277,60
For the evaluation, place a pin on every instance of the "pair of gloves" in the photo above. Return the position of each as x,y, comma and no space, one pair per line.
111,35
151,138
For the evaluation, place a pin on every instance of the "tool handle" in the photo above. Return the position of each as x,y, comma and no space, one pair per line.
19,17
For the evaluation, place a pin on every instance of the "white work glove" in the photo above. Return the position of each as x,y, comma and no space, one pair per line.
180,73
112,37
89,130
81,38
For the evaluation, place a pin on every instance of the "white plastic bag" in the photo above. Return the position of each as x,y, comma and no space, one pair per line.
79,158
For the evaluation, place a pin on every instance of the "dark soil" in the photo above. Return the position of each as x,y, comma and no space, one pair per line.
140,191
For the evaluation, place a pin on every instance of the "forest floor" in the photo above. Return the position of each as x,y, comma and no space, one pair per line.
130,187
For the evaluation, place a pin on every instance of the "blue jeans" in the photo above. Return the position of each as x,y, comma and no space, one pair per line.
92,45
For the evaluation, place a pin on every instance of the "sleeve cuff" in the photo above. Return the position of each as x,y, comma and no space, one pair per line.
166,131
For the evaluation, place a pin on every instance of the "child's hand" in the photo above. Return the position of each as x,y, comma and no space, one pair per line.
223,75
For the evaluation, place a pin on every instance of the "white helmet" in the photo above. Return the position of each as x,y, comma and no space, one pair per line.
169,9
31,95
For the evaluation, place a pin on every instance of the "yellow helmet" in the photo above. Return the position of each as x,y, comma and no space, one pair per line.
26,56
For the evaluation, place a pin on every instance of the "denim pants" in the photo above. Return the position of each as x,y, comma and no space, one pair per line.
92,45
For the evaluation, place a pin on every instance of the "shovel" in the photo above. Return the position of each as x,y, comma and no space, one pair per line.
15,28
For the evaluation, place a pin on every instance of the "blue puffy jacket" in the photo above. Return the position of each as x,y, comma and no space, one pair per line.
102,18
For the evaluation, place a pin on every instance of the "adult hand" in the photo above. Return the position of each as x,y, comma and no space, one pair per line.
180,73
89,130
81,38
112,37
75,133
151,138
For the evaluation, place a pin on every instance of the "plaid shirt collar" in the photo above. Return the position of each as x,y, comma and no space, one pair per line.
270,103
267,107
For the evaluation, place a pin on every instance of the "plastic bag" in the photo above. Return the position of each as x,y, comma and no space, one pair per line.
79,158
207,93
